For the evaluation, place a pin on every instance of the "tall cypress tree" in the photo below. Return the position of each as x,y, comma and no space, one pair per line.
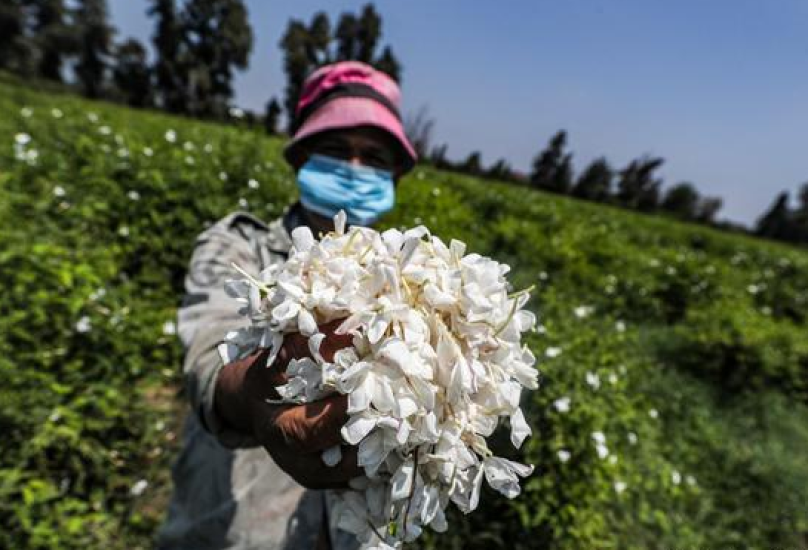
681,200
131,73
552,168
170,68
801,215
776,222
219,39
272,117
55,38
388,63
14,52
94,47
368,32
595,183
638,187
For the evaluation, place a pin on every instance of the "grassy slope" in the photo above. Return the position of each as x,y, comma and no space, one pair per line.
696,339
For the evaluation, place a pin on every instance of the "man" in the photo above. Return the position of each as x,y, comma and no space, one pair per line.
250,474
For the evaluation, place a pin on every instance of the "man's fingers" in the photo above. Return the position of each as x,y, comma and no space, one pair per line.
310,471
310,427
261,379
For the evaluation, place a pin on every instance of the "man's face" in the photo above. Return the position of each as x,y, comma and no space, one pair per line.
366,146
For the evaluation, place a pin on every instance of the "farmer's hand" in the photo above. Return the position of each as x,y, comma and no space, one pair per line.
294,435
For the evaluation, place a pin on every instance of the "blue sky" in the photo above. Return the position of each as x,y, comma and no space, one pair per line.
718,88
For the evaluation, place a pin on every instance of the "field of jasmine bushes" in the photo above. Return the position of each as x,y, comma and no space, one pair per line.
673,411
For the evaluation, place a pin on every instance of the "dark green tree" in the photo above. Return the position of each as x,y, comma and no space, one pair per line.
319,40
473,164
500,170
14,49
681,200
801,214
272,117
595,183
388,64
94,46
296,64
132,75
54,37
707,209
438,156
171,66
552,168
368,33
346,36
638,187
776,223
218,39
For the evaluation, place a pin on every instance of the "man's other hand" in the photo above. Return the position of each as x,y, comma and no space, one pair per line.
294,435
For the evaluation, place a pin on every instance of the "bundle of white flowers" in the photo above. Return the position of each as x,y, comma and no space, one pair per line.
436,361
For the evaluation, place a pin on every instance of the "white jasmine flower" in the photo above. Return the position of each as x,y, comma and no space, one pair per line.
252,183
148,152
620,486
59,191
583,311
83,325
26,112
612,378
133,195
22,139
563,455
104,130
169,328
593,380
138,488
97,294
243,203
653,413
56,113
620,326
676,477
92,117
171,136
552,352
562,404
632,438
123,231
690,480
223,176
188,146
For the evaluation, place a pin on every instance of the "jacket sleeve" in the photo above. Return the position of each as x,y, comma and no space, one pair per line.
207,314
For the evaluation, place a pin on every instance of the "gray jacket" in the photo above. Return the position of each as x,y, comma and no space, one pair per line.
228,492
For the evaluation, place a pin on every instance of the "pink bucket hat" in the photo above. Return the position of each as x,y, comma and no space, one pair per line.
344,95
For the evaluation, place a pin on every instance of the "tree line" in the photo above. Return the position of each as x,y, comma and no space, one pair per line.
636,186
199,44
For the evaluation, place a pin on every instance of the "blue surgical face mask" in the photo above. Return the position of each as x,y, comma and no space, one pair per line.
328,185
